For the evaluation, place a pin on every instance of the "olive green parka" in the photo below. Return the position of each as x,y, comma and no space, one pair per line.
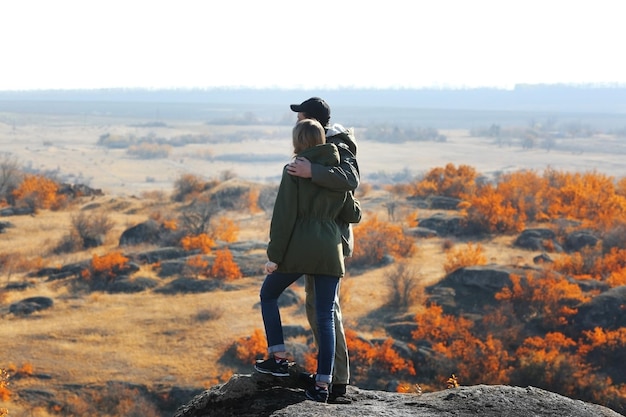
304,235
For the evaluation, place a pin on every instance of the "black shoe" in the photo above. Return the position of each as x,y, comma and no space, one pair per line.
316,393
337,394
271,366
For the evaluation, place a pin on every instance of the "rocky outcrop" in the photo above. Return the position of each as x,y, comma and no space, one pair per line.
267,396
470,289
538,239
30,305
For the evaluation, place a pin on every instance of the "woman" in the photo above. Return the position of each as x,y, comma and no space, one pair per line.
305,239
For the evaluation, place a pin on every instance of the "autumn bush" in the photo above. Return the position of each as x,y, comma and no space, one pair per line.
374,239
188,186
546,296
450,181
201,242
459,350
196,266
104,269
516,199
224,229
248,349
5,393
375,360
37,192
224,267
469,255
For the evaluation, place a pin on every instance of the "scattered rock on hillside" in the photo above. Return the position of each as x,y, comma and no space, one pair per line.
605,310
5,225
146,232
79,190
538,239
16,211
444,224
470,289
30,305
259,395
579,239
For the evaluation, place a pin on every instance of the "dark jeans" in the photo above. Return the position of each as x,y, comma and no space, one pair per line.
325,292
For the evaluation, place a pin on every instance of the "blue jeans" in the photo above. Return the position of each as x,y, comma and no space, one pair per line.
325,292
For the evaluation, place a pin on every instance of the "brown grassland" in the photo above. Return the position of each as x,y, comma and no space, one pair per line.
161,340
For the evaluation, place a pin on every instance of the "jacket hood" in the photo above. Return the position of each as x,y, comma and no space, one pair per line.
324,154
337,133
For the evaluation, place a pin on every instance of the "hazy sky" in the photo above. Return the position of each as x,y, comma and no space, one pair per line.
60,44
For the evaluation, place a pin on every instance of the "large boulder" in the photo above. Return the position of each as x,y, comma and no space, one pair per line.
258,395
605,310
444,224
470,289
579,239
146,232
538,239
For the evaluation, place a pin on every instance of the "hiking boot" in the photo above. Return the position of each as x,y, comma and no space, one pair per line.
273,367
337,394
316,393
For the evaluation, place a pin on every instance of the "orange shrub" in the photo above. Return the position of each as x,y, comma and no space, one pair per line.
383,357
170,224
374,239
617,278
248,349
225,229
224,266
612,262
201,241
492,212
253,201
476,360
468,256
106,267
590,197
547,295
197,266
37,191
5,393
449,181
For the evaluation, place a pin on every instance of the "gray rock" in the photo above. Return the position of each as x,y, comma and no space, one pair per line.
255,395
579,239
30,305
605,310
470,289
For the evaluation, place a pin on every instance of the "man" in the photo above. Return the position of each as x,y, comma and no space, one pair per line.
344,177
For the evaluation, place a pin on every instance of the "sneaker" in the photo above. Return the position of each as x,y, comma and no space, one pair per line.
271,366
316,393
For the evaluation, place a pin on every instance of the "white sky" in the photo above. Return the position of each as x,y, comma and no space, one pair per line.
63,44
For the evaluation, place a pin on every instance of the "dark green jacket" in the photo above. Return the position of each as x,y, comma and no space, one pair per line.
304,235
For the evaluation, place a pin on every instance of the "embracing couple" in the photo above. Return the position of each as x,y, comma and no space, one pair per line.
310,235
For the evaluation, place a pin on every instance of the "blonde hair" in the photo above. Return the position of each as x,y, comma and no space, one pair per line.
306,134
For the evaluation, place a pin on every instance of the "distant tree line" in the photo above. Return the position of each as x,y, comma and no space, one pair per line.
396,134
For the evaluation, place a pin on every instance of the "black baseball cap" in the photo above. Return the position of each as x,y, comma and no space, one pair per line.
314,107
